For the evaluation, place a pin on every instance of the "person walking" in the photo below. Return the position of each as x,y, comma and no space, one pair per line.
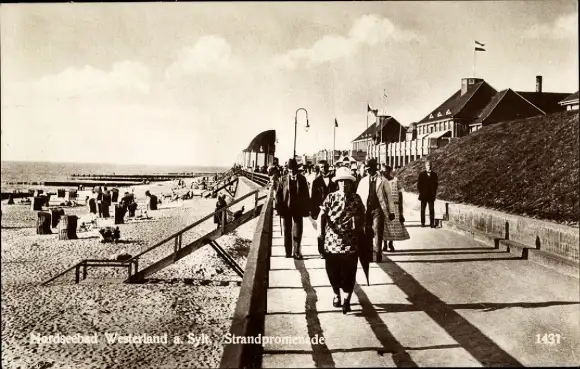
427,185
394,230
293,204
340,224
374,217
321,187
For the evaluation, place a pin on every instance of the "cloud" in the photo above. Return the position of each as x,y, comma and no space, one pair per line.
210,54
368,30
124,78
565,26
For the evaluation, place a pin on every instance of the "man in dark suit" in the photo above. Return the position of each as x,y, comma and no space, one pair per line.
427,186
321,187
293,204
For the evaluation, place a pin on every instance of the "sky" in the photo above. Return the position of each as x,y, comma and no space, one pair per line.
193,83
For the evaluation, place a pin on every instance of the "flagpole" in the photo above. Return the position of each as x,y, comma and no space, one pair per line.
368,114
334,143
474,51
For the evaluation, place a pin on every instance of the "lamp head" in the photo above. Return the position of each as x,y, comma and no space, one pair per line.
307,125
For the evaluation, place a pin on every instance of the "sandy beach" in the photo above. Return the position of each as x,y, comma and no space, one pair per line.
194,297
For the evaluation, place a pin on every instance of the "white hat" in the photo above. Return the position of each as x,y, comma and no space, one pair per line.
343,173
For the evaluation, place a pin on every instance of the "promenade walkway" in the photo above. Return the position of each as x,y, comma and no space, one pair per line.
441,299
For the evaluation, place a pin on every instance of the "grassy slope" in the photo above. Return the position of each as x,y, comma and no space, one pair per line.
527,167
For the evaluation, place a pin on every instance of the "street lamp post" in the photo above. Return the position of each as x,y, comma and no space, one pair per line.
296,127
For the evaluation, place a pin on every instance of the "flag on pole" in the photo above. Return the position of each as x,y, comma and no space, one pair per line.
374,111
335,122
479,46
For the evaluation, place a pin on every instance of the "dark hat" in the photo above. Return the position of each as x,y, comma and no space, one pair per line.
371,163
292,164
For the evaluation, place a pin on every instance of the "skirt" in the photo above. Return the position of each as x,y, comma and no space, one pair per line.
394,230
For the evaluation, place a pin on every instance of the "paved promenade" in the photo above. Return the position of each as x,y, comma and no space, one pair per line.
441,299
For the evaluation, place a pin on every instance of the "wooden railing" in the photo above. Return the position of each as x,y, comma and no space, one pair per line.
178,236
250,313
259,178
84,264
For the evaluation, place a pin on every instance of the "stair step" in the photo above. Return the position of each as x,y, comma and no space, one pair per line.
476,235
556,262
516,248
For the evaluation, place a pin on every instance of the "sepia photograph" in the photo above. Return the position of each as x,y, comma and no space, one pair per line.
290,184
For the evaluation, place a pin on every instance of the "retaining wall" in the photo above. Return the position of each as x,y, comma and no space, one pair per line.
551,237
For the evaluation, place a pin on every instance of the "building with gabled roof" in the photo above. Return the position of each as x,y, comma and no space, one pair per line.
570,102
453,116
386,129
509,105
505,105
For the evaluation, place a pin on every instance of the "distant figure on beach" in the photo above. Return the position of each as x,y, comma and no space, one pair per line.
128,202
152,204
340,226
292,203
220,204
92,203
427,185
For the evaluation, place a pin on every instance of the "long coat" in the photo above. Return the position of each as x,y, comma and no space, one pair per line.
319,192
363,191
427,186
283,197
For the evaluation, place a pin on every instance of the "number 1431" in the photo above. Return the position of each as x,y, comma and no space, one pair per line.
548,338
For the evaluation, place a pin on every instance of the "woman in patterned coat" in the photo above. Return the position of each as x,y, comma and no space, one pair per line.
340,222
394,230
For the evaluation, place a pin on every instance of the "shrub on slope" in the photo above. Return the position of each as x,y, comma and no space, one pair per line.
527,167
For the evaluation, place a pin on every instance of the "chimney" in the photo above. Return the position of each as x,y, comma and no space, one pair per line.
538,83
467,84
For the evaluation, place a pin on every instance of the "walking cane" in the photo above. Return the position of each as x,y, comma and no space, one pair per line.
281,233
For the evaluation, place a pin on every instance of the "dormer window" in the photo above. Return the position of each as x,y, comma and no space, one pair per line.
448,112
439,114
431,116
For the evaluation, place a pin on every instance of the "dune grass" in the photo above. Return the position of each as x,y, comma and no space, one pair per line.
526,167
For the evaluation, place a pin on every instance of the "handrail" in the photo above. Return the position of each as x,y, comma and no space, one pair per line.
250,313
63,273
84,262
199,221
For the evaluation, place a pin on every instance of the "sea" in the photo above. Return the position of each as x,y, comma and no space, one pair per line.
36,171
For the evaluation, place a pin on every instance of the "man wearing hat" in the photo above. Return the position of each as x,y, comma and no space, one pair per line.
367,189
293,204
321,187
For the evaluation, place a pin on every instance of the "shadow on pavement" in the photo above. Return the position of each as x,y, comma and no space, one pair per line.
481,347
401,357
320,353
455,260
485,306
397,253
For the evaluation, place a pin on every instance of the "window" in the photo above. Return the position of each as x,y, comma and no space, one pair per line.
431,128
